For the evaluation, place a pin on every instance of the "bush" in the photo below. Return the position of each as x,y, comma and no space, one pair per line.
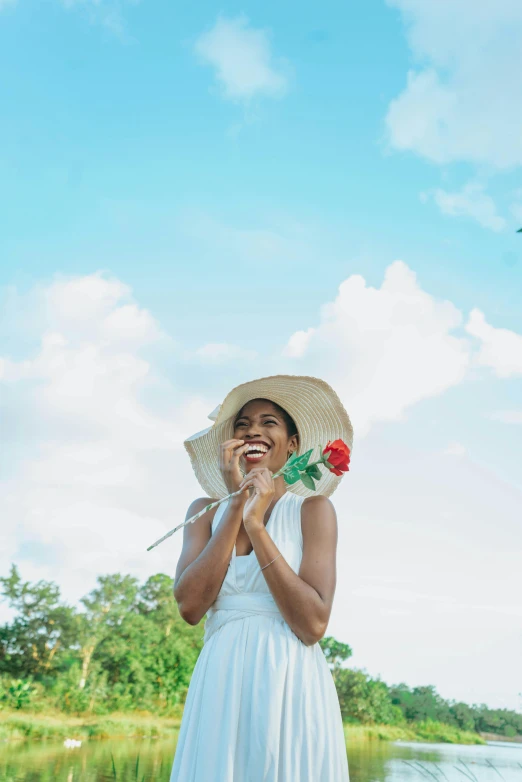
17,693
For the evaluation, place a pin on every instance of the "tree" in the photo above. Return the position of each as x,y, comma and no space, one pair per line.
336,653
366,700
105,609
464,716
173,652
136,636
421,703
37,643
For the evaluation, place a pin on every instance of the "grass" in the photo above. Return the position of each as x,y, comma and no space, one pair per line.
19,725
429,731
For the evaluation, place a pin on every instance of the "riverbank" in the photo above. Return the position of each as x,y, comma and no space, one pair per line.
16,725
428,731
500,737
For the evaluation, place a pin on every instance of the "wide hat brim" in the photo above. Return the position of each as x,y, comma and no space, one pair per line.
315,407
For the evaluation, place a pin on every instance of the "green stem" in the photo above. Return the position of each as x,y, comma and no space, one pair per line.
286,468
283,469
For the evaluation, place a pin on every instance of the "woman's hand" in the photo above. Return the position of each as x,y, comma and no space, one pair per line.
229,454
261,481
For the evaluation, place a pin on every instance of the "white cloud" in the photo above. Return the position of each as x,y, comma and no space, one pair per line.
461,102
500,349
472,201
243,60
222,352
384,349
507,416
94,436
298,343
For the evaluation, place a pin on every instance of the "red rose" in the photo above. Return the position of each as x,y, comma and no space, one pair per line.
339,456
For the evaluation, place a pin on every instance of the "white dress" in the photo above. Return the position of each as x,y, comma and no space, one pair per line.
261,705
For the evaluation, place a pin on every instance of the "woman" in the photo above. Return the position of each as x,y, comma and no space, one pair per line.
262,704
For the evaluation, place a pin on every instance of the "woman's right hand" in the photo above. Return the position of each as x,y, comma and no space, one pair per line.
229,454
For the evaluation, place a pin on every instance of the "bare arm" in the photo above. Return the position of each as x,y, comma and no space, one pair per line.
204,559
305,599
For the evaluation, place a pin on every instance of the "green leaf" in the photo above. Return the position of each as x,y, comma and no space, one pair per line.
292,460
301,461
314,471
292,476
308,481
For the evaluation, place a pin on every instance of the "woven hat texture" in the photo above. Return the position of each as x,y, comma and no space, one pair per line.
313,404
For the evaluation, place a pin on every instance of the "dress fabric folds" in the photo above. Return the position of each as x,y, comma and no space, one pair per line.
261,705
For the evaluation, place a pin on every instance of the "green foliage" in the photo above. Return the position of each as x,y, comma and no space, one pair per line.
299,461
421,703
37,642
292,476
308,481
335,652
16,693
366,700
128,649
424,704
314,471
296,469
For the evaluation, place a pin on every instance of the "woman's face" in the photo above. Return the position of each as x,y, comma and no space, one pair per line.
260,423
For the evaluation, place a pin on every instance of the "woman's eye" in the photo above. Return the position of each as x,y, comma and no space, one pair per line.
270,422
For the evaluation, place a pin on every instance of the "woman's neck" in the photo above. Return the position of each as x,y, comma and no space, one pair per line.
280,489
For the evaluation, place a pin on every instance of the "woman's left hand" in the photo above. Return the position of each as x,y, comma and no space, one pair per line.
260,479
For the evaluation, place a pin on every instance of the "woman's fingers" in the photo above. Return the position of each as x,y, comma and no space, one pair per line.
233,449
239,451
264,471
229,444
258,481
230,449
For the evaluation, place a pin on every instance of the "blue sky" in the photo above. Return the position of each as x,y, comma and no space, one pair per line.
194,196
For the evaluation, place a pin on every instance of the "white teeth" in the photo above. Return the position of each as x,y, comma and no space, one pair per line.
253,451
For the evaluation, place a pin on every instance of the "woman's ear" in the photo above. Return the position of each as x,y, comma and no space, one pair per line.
294,444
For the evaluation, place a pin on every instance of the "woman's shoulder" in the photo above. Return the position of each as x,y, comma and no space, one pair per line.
316,502
199,504
318,524
317,512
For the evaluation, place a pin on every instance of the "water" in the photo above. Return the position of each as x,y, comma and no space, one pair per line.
372,761
369,761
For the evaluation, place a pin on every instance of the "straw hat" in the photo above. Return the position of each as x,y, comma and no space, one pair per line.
315,407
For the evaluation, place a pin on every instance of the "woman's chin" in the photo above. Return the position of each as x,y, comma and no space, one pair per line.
263,462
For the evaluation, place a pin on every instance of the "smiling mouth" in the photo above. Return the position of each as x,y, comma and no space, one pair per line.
256,452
